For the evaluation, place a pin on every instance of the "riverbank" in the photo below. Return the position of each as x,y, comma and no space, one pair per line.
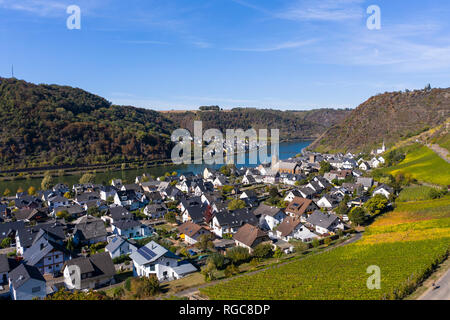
103,174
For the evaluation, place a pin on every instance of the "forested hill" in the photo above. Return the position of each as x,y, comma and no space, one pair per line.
50,125
389,117
292,124
59,125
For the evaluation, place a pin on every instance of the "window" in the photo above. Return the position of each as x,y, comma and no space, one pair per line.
35,289
167,263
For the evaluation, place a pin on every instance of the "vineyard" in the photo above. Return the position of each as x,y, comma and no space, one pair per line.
405,249
424,165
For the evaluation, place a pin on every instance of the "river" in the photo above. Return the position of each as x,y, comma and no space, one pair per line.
287,150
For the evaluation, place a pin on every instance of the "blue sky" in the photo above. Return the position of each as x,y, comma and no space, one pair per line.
180,54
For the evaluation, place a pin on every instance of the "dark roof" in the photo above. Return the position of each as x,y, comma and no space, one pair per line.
4,264
266,210
20,275
133,186
119,213
307,191
192,201
7,228
156,207
385,187
250,193
58,198
42,246
196,213
87,196
126,224
318,218
30,213
27,235
89,227
236,218
100,265
153,196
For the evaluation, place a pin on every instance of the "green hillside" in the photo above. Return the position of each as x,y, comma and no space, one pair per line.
58,125
422,164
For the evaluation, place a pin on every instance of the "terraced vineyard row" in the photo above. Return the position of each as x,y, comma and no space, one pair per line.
405,251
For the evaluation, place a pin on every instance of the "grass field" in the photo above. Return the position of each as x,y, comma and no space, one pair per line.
406,244
424,165
416,193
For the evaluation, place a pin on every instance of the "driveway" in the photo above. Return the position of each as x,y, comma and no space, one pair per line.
442,291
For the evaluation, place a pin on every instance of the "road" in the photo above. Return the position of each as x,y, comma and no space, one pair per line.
194,291
443,289
441,152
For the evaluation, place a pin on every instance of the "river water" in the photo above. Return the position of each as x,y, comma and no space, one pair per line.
287,150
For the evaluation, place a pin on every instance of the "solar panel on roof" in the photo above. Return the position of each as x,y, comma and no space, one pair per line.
147,253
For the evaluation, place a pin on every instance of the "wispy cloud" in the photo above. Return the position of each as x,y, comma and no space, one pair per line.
39,7
144,42
324,10
404,48
276,47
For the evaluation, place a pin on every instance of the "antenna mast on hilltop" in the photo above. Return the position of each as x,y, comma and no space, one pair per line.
12,71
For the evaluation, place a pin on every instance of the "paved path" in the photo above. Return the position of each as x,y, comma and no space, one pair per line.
194,291
441,291
441,152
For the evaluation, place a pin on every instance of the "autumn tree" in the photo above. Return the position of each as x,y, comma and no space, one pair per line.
87,178
31,190
47,181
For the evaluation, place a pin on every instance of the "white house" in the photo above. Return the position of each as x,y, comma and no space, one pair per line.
89,272
107,192
57,201
119,246
383,190
364,166
292,228
324,223
208,173
327,202
269,217
155,211
154,259
130,229
292,194
248,180
220,181
26,283
376,162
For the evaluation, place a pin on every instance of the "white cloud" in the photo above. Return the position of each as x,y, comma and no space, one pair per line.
276,47
325,10
39,7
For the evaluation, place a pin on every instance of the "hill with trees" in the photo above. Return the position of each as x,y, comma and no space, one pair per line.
59,125
53,126
389,117
306,125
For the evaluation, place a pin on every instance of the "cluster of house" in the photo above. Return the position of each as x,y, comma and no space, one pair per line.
41,238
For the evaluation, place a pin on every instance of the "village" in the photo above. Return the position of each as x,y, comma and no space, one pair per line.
87,236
